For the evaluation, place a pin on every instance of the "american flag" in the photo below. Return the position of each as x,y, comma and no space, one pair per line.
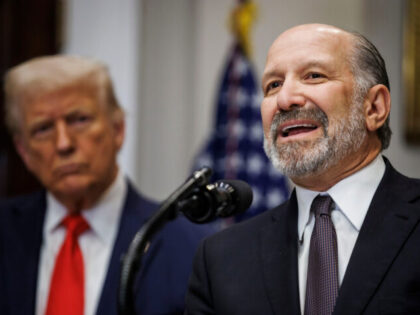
235,148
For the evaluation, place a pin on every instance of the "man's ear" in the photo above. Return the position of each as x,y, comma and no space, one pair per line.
22,150
377,106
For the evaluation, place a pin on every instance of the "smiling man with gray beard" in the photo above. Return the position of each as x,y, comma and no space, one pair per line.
346,242
312,157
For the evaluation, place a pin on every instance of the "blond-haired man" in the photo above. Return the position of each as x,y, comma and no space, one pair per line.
68,127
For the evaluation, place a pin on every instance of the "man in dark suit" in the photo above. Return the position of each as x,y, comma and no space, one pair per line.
61,248
346,242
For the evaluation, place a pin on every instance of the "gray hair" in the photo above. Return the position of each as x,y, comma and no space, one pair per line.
369,69
48,74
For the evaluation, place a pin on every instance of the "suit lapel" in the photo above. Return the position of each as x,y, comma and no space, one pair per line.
25,227
279,259
136,211
387,225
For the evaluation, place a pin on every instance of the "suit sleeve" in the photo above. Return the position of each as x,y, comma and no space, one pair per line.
199,298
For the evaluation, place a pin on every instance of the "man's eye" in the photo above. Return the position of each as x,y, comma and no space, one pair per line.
82,118
41,130
272,85
78,119
315,76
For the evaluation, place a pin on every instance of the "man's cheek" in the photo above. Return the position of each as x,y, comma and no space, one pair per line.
266,122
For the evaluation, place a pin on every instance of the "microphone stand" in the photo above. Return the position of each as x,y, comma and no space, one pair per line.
139,245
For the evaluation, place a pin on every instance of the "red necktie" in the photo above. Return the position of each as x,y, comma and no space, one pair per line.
67,282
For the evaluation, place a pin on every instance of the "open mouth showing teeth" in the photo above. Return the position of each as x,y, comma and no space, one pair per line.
296,129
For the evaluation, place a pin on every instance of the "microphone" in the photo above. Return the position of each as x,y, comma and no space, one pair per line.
221,199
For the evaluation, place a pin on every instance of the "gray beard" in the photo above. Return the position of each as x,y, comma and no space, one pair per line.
312,157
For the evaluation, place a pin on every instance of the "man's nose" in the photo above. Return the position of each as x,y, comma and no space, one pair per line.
290,95
64,140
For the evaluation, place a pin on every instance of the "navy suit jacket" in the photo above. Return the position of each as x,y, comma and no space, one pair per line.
252,267
163,277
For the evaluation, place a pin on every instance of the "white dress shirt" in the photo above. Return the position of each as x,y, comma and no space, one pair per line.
96,243
352,197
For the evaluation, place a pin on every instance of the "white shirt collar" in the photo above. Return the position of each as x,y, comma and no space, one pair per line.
102,217
352,195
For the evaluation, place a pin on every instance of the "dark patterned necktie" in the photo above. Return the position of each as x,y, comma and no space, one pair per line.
322,281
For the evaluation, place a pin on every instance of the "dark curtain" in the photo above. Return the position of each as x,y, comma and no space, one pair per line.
27,29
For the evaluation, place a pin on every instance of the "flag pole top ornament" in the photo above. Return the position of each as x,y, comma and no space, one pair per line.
241,20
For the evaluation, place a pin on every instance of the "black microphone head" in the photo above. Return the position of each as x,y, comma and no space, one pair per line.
198,207
241,194
221,199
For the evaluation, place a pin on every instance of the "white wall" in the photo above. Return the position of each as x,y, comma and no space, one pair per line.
388,37
167,108
111,31
181,46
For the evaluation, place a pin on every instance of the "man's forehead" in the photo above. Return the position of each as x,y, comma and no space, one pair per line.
309,34
61,101
63,94
311,30
310,38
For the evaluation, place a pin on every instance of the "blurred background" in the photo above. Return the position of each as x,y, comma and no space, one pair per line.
166,58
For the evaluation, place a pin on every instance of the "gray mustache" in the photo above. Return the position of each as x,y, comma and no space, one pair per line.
282,117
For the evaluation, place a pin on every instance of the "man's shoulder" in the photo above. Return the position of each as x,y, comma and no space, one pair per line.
399,184
184,232
134,195
22,217
249,229
24,202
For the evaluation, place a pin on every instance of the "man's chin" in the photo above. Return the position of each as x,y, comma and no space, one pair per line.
300,158
71,187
